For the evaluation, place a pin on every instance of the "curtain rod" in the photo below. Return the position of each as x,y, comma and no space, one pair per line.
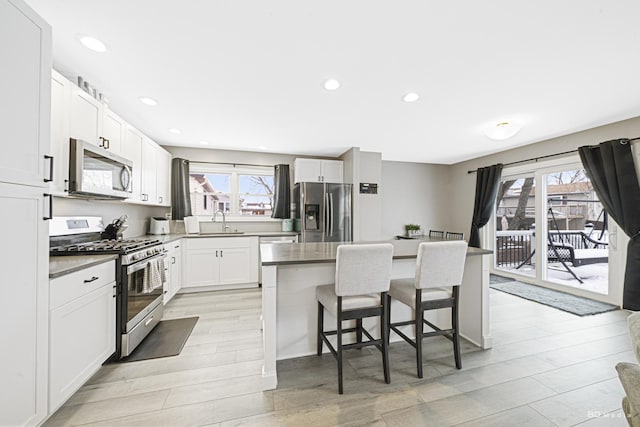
549,155
232,164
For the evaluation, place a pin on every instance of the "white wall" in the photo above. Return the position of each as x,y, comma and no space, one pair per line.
138,215
370,209
415,193
463,184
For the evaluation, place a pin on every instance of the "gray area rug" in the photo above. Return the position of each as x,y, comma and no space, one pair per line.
494,278
166,339
562,301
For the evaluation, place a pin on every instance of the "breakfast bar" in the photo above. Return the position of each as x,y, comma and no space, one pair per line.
290,273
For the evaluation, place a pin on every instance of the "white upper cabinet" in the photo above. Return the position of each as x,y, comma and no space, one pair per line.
113,131
163,174
149,171
75,114
25,46
60,96
85,116
132,150
316,170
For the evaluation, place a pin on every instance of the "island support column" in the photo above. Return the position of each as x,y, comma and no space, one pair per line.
269,304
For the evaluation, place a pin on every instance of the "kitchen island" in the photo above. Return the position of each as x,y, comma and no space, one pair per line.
290,273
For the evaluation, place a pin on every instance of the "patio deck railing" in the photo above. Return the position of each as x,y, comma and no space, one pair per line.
514,248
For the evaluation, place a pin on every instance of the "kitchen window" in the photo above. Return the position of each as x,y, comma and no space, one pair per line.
238,191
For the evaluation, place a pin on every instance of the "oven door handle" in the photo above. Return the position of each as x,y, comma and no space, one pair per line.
142,264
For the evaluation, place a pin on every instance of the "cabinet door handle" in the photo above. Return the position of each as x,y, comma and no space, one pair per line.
50,196
216,254
93,279
50,158
160,199
319,178
173,260
106,143
220,254
148,321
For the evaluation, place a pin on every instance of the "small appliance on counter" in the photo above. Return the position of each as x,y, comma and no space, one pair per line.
158,225
114,230
191,225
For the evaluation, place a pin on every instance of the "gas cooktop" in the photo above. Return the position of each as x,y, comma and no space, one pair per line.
104,246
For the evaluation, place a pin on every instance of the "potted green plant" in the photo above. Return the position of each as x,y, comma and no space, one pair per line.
413,230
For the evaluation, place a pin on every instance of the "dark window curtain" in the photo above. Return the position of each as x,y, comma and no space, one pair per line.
487,180
180,197
610,167
281,192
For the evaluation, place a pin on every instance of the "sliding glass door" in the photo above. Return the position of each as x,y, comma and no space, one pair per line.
515,220
577,232
550,229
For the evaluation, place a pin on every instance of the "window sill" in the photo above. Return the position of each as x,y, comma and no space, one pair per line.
239,219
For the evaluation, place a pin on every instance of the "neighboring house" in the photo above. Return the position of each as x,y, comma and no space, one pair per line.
566,202
206,200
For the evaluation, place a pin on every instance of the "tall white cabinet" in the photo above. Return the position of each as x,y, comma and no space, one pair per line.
25,86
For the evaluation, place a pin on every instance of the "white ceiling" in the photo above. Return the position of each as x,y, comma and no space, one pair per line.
247,73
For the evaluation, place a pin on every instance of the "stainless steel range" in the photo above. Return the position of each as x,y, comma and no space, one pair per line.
139,274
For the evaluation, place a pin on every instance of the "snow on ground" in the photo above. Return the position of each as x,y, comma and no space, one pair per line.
594,276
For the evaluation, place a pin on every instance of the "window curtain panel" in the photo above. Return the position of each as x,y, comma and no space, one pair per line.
281,192
487,180
611,169
180,196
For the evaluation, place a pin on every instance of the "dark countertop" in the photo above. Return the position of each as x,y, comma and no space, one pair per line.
62,265
167,238
307,253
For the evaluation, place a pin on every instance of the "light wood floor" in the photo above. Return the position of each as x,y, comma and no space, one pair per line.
547,368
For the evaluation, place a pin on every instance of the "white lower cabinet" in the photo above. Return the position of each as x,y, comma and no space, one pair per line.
173,270
81,328
224,262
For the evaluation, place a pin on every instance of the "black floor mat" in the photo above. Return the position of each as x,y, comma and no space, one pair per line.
166,339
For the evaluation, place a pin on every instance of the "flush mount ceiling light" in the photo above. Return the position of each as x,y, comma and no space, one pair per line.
502,130
411,97
175,131
93,44
331,84
262,147
204,142
148,101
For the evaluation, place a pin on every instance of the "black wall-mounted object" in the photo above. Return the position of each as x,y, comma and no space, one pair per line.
368,188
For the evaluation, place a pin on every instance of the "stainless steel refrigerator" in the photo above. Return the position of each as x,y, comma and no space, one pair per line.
324,211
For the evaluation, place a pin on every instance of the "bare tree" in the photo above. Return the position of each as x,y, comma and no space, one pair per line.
521,210
260,181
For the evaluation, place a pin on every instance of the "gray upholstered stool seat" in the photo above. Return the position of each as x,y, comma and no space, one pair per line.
363,273
435,285
326,295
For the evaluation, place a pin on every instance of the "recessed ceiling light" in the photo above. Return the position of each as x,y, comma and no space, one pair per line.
502,130
93,44
148,101
175,131
411,97
204,142
262,147
331,84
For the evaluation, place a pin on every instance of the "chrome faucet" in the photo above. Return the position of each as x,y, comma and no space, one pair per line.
224,219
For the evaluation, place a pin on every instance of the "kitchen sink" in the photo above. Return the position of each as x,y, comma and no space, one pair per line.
221,233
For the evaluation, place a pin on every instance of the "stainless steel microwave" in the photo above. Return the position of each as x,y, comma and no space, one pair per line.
95,172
